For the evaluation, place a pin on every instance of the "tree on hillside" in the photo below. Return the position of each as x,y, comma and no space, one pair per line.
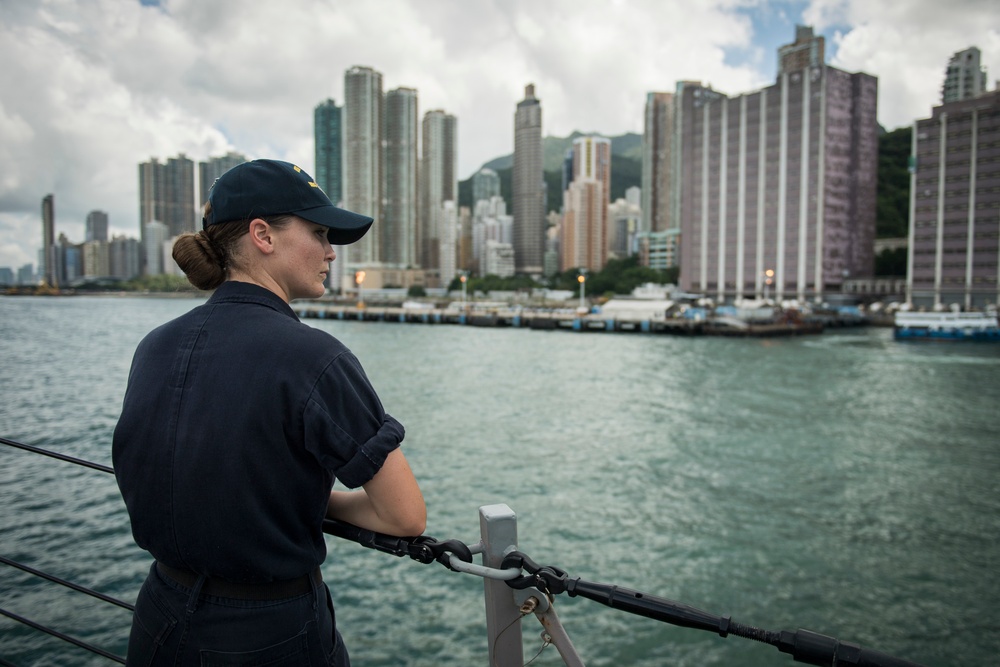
619,276
893,198
891,263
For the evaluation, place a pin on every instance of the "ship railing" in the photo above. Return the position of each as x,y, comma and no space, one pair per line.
515,586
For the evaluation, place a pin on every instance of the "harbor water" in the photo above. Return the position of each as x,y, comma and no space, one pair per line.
843,482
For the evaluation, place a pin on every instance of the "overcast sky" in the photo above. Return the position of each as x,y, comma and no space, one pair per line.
91,88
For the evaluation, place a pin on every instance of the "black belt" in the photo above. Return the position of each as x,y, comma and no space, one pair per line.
268,590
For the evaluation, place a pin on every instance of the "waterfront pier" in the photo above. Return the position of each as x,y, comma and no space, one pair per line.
564,320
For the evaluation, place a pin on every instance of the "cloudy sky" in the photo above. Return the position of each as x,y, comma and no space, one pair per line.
91,88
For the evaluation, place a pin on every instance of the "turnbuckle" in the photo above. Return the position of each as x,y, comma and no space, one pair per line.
427,549
548,579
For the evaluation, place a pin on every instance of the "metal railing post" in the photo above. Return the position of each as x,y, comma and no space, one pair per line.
498,527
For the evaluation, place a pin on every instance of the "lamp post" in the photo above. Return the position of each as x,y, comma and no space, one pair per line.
582,279
359,278
464,278
768,277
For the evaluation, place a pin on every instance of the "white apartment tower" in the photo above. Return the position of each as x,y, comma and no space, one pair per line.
399,215
438,184
362,161
965,77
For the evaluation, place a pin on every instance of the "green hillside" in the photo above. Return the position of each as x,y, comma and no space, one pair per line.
554,150
626,168
893,212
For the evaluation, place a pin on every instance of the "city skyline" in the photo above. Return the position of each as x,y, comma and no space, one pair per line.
84,109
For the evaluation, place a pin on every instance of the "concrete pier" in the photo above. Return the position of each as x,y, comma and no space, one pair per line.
556,320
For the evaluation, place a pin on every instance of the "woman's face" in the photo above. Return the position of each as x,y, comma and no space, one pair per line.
303,255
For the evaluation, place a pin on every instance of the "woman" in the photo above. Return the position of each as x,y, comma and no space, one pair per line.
236,421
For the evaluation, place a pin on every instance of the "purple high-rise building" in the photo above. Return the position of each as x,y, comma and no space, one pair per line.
954,243
775,190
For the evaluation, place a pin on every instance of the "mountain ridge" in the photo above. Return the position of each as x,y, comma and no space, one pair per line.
628,145
626,168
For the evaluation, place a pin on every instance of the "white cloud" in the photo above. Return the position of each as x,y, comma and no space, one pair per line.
907,45
90,89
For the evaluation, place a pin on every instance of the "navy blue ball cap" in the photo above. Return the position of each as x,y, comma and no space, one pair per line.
271,187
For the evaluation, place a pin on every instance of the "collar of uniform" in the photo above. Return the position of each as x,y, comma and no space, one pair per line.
233,291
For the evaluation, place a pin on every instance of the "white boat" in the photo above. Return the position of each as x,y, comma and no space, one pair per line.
949,325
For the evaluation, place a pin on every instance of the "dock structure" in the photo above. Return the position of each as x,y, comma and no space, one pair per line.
556,320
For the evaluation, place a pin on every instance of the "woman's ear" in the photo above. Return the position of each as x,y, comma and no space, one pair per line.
261,235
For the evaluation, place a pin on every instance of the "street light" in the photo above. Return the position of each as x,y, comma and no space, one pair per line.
359,278
582,279
464,279
768,277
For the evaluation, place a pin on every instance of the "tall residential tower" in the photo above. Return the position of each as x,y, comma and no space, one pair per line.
362,160
657,139
776,188
954,243
399,213
327,137
48,253
167,196
211,169
528,186
96,227
438,185
585,232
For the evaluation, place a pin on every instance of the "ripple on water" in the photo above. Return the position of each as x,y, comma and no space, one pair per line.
844,483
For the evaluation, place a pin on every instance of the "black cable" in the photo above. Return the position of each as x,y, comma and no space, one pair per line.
803,645
66,638
39,573
68,584
56,455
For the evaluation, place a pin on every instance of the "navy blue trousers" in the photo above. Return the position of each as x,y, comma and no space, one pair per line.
175,625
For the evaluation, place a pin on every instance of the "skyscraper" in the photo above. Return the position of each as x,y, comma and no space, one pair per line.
965,77
328,135
69,261
491,224
438,185
448,242
954,198
624,222
485,185
210,170
48,254
96,259
166,194
657,142
782,179
362,160
155,236
123,257
399,215
585,236
96,226
528,179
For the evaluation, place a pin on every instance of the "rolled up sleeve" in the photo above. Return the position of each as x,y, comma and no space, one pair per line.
368,460
345,426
